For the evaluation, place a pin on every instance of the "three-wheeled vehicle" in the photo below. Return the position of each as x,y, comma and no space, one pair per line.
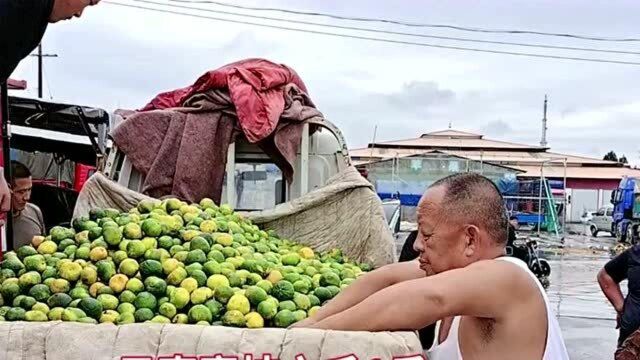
62,145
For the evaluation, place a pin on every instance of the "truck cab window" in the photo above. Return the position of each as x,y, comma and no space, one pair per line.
257,186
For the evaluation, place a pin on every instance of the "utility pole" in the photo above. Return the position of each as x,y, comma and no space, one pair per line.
543,140
40,55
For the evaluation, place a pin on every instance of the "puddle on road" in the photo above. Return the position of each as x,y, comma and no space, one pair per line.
574,291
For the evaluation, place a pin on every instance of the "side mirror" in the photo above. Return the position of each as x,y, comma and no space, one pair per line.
279,192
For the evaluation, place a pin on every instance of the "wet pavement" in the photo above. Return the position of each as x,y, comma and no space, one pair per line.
585,316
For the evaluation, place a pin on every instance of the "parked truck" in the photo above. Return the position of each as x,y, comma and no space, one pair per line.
626,210
326,204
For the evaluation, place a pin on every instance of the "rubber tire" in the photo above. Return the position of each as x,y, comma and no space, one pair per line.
544,281
594,230
546,268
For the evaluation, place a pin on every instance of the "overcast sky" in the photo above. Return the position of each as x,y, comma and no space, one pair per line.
117,57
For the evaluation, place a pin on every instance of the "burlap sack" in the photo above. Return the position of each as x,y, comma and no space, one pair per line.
74,341
346,214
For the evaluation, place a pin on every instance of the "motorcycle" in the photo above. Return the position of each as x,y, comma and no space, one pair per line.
527,251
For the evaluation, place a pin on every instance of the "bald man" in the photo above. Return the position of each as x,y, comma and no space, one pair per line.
486,305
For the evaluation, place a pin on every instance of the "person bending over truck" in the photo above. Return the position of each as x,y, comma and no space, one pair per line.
23,24
27,217
486,305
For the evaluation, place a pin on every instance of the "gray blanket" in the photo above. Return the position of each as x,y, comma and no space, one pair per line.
183,151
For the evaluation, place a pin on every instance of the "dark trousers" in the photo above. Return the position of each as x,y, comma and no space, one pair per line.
428,334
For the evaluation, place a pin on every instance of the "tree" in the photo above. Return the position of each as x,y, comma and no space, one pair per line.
611,156
623,160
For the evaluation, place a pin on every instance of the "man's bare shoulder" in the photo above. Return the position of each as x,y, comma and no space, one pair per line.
508,275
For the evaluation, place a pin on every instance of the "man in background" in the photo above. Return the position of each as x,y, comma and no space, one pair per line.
27,217
516,251
513,225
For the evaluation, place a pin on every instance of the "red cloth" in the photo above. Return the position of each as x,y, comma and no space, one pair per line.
256,87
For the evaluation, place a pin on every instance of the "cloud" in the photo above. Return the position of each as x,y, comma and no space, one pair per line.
420,94
120,57
497,127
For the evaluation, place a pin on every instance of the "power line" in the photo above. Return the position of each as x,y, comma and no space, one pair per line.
378,31
401,42
410,24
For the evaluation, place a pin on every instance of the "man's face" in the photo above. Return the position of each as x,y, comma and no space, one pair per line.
21,193
67,9
441,242
514,223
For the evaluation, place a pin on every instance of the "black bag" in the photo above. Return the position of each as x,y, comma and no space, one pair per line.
428,334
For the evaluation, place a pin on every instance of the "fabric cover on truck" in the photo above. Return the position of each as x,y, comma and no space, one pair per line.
75,341
100,192
346,214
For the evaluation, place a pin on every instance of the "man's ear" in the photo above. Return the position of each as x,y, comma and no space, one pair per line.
472,235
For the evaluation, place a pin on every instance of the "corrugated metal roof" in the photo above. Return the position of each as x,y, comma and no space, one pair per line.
523,157
452,133
575,172
384,153
505,157
426,154
456,143
527,158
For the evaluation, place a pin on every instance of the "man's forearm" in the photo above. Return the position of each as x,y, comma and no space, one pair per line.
393,308
367,285
611,290
359,290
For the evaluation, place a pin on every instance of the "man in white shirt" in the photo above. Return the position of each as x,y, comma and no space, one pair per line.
487,305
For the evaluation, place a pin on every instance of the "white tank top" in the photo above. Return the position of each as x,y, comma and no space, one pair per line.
450,348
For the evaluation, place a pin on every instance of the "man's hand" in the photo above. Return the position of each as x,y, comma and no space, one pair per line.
367,285
306,323
5,195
